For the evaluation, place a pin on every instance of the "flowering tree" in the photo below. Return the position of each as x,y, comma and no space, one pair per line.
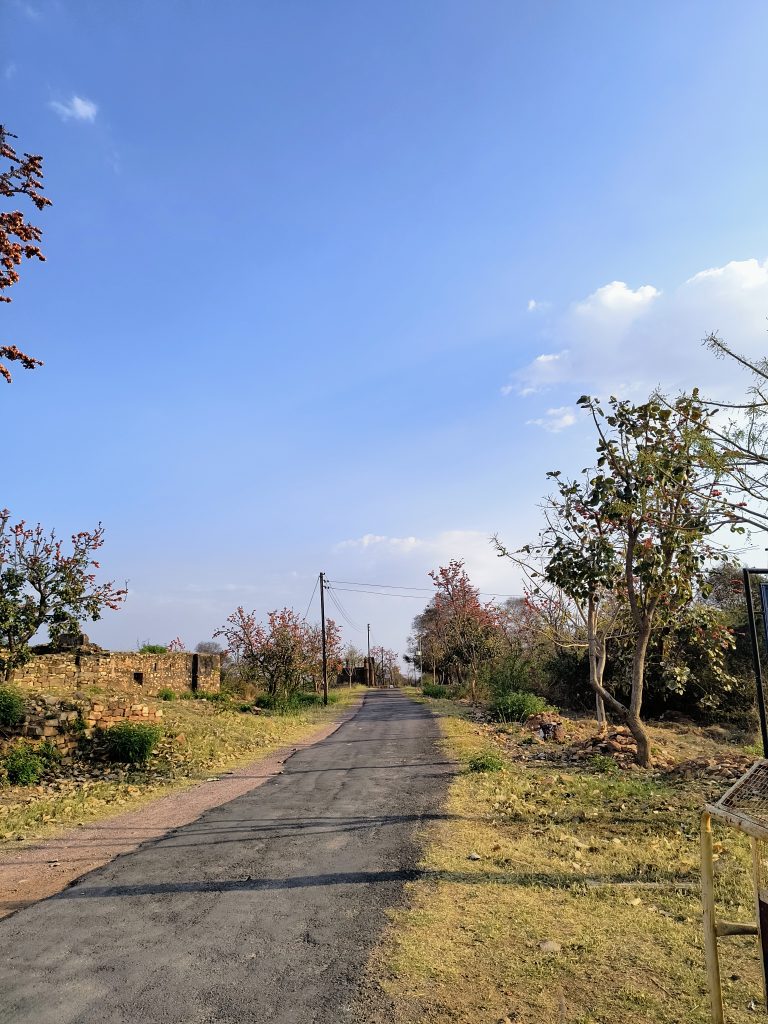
468,628
176,645
314,651
44,586
20,176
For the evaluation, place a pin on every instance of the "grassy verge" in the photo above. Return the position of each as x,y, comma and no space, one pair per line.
582,905
201,738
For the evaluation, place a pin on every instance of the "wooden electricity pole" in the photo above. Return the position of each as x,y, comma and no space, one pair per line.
322,621
368,668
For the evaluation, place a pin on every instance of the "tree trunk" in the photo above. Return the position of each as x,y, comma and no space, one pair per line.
597,657
634,722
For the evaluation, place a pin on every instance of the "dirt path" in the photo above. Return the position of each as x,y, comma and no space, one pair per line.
262,910
30,873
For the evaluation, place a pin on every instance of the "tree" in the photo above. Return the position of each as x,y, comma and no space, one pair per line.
20,176
572,573
656,485
43,586
208,647
285,652
468,628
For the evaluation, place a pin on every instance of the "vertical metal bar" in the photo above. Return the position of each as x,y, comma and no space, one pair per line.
708,912
761,913
756,658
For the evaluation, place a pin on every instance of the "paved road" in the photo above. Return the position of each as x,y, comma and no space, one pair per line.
263,910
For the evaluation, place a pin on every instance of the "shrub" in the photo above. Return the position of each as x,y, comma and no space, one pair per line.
293,703
435,690
132,742
516,706
166,693
604,764
12,707
153,649
485,761
23,764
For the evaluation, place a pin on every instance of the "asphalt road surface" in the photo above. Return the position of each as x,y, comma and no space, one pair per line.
263,910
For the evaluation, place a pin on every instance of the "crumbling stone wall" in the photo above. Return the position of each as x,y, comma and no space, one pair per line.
62,722
126,671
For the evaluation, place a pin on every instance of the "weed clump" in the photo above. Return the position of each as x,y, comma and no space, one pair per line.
25,764
517,705
12,707
166,693
435,690
132,742
485,761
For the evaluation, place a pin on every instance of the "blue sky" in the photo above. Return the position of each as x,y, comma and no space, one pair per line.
325,279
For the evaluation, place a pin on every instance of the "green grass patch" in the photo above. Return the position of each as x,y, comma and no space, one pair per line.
132,742
485,761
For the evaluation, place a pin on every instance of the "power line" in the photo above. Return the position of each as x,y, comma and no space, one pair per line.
306,613
384,586
342,611
378,593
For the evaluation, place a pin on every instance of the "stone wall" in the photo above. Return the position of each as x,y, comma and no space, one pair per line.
62,722
125,671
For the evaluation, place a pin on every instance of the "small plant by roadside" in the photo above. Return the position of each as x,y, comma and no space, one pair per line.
214,698
166,693
24,764
604,764
132,742
517,705
435,690
485,761
11,707
279,704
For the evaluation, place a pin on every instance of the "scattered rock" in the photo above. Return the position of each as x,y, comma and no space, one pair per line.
474,856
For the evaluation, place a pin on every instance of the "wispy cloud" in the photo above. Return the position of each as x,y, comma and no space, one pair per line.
555,420
9,71
75,109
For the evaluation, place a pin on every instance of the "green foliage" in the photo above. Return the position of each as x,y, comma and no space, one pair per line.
604,764
132,742
153,649
485,761
166,693
292,703
25,764
12,708
516,706
436,690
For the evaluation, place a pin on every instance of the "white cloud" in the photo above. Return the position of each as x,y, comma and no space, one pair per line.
75,109
555,420
617,301
533,304
627,341
405,561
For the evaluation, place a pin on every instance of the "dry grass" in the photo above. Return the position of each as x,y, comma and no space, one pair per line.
566,855
201,738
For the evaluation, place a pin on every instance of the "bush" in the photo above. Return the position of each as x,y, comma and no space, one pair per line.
166,693
293,703
132,742
153,649
485,761
12,708
604,764
23,765
435,690
516,706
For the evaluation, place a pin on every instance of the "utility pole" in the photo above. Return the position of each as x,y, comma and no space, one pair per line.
322,620
368,669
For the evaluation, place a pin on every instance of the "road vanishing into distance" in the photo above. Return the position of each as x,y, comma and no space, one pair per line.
263,910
